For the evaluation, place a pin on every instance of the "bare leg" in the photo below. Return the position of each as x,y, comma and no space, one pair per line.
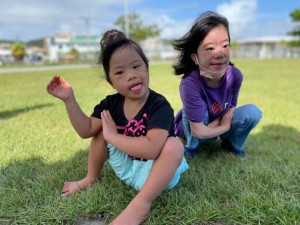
162,172
97,156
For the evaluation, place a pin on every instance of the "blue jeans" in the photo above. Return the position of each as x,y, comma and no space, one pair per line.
245,118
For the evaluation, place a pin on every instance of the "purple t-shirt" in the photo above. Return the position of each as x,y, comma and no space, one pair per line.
198,98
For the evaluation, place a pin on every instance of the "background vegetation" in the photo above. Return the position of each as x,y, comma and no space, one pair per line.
39,150
295,15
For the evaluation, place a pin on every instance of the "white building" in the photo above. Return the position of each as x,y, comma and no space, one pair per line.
156,49
266,47
5,54
60,45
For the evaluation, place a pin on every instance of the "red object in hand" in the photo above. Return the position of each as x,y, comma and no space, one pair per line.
56,79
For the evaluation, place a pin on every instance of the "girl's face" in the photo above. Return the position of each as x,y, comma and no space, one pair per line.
213,53
128,73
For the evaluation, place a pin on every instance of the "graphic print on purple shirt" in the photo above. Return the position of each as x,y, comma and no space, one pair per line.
216,108
198,97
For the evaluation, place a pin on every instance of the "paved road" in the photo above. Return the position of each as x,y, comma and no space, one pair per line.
43,68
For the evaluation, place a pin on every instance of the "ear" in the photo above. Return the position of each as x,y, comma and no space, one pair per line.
195,58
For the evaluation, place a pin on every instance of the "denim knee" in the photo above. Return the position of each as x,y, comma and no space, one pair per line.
252,114
245,118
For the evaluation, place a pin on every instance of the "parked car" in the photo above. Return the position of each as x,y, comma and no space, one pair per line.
6,59
33,59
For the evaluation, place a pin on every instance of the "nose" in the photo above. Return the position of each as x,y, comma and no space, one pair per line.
131,75
220,53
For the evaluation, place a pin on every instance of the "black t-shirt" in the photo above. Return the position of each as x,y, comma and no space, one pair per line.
156,113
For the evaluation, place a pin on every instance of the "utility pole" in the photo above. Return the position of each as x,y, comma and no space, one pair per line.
86,20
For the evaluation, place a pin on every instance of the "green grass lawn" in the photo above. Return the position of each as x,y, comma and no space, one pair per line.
39,150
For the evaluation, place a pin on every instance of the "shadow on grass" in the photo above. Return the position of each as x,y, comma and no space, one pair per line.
32,187
271,136
281,134
12,113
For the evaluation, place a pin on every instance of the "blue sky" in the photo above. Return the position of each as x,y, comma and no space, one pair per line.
32,19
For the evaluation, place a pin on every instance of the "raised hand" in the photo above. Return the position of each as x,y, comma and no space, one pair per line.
60,88
109,126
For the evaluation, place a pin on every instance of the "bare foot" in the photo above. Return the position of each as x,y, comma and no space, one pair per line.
70,188
134,214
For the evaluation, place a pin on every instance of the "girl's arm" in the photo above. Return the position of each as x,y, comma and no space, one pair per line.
85,126
237,82
146,147
214,129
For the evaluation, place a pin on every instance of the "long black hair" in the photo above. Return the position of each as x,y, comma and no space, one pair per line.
189,43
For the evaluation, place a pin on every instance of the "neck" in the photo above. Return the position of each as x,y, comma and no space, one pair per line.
132,106
214,83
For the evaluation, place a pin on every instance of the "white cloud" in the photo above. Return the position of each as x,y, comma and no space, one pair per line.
32,18
241,15
170,28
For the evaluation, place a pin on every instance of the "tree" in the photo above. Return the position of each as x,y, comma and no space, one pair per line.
296,31
137,30
74,53
36,43
18,51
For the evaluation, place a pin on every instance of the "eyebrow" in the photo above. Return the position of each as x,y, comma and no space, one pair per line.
136,60
209,43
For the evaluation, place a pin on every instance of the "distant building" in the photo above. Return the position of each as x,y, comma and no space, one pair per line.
58,49
5,54
265,47
262,48
59,46
158,50
36,55
33,55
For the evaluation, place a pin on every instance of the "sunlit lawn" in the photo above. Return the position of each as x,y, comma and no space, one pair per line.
39,150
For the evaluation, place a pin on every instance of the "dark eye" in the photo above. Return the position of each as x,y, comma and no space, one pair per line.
209,49
136,66
227,46
119,73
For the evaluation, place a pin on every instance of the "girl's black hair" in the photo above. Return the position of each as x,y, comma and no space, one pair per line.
189,43
113,40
